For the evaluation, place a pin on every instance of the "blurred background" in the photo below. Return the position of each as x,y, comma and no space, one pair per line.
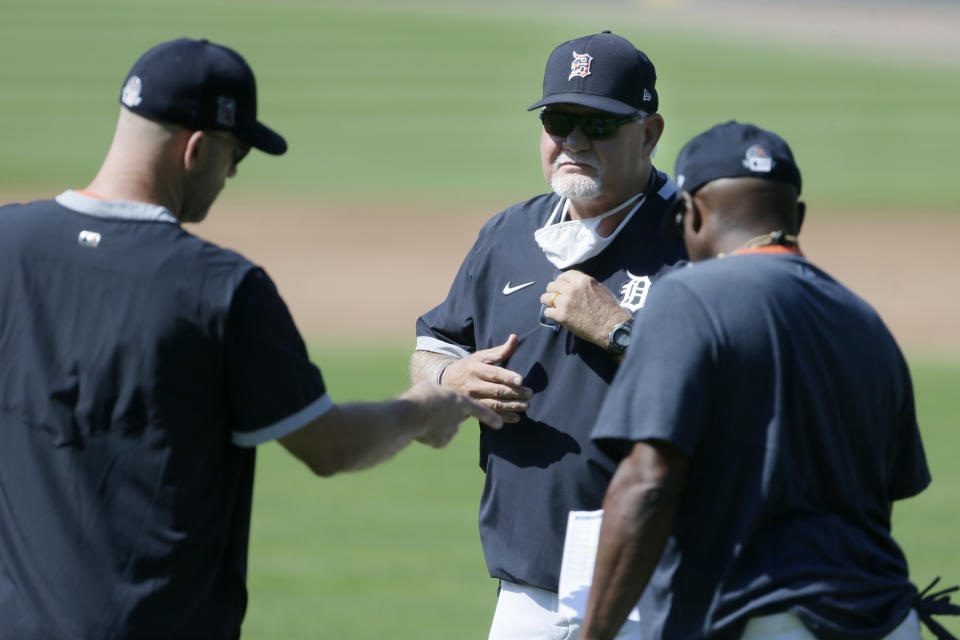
408,128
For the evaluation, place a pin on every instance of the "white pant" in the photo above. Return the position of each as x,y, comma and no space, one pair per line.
529,613
786,626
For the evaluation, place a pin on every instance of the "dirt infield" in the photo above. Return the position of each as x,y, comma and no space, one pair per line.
359,273
362,273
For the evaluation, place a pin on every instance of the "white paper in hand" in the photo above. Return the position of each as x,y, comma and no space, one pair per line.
576,567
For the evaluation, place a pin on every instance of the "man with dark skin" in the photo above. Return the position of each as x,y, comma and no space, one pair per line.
765,420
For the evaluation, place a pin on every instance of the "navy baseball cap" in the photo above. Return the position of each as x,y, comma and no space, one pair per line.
199,85
602,71
735,150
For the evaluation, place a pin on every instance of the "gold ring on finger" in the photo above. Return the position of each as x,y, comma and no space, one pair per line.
553,299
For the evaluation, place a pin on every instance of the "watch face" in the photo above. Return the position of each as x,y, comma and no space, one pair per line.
622,337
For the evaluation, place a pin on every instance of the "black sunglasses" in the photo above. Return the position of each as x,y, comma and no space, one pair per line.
240,150
593,127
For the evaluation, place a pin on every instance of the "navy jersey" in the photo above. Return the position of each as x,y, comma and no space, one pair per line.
544,466
138,367
795,406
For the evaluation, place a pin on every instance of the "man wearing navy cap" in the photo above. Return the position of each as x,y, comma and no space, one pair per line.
139,368
765,421
539,315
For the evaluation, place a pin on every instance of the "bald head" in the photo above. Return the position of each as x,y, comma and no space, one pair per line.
168,165
725,213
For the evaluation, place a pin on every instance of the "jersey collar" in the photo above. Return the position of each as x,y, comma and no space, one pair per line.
114,209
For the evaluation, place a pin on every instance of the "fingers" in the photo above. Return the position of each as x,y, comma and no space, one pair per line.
551,297
498,375
512,397
484,414
481,380
500,353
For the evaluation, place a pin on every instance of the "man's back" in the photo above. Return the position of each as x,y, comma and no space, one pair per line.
798,417
116,423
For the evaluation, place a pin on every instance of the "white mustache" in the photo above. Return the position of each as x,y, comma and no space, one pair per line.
586,158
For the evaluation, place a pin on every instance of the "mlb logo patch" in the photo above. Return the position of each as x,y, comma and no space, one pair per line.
226,111
757,159
580,67
89,239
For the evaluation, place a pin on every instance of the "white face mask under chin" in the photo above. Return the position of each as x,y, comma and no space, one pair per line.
573,241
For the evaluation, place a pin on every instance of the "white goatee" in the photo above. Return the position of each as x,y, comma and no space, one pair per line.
576,186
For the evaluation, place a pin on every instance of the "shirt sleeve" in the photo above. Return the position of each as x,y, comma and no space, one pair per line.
909,472
274,388
664,388
448,328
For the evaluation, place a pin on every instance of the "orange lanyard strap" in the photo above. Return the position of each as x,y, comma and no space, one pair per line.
89,195
770,248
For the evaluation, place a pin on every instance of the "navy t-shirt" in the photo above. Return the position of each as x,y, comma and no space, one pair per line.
795,406
138,367
546,465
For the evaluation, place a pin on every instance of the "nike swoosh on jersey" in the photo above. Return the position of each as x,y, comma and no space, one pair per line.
507,289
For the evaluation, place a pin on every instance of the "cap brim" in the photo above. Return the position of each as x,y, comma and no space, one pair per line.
264,138
587,100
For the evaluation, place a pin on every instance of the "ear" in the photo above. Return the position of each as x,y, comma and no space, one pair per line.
694,230
693,219
191,152
801,213
653,129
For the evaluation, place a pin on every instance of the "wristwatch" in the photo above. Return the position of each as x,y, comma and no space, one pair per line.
619,338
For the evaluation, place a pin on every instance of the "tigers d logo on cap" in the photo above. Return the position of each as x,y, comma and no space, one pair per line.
580,67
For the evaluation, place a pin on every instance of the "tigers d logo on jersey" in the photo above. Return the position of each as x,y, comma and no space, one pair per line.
580,67
634,292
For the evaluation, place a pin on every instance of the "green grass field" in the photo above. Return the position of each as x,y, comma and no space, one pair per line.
394,551
387,100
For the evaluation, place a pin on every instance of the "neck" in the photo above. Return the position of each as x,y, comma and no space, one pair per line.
144,164
585,209
775,238
127,183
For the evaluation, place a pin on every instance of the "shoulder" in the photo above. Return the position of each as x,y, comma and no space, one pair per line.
513,227
664,190
527,215
24,225
14,209
198,258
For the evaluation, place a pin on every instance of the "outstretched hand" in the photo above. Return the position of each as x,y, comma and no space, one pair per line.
443,410
583,306
494,387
